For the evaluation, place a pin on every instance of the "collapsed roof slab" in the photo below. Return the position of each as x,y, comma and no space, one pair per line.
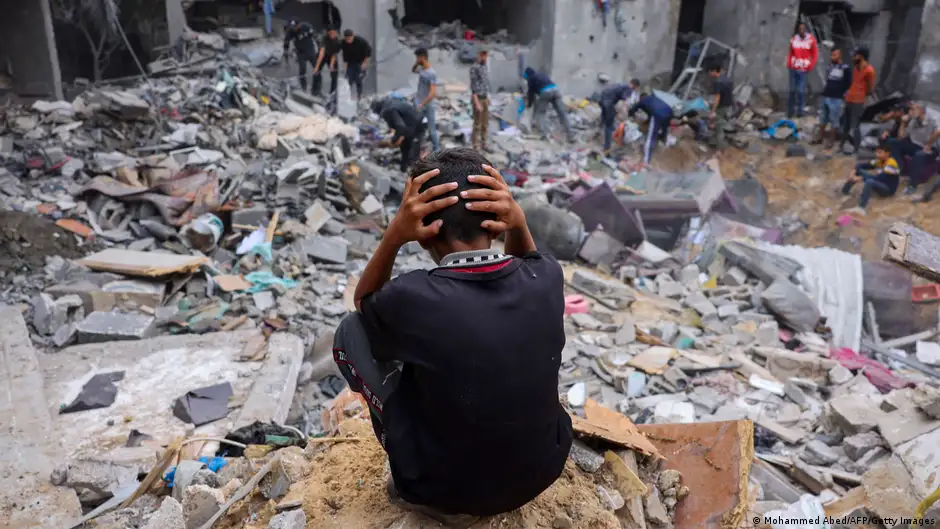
160,370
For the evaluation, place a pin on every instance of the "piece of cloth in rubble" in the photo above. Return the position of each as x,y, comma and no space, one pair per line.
98,392
257,433
772,130
203,405
179,199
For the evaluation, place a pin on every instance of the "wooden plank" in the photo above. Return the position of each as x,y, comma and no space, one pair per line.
611,426
852,500
914,249
715,461
142,264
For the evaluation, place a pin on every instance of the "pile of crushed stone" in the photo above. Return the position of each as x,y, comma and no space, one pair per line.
27,239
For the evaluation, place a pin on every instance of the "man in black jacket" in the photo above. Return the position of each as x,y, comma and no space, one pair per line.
408,124
356,55
327,57
838,81
542,92
302,35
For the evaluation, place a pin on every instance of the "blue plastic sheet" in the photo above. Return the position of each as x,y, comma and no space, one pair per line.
213,463
261,281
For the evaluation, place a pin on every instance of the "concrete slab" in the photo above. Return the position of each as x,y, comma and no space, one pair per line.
30,447
920,457
273,391
157,372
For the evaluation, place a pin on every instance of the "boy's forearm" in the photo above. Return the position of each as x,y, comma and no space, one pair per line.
378,271
519,241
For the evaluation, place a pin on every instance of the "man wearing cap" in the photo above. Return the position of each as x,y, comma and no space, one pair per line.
863,84
302,35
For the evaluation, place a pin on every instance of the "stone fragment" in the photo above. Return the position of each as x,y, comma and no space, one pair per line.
600,248
665,331
231,487
295,463
325,249
688,275
206,477
96,481
200,503
562,521
655,510
587,459
626,334
168,516
118,519
728,311
611,498
927,398
100,327
48,316
370,205
818,453
768,333
709,398
264,300
860,444
585,321
251,216
871,457
671,289
701,304
295,519
734,277
853,414
928,353
668,479
839,375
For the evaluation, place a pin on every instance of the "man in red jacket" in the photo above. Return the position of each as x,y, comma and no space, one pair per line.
802,59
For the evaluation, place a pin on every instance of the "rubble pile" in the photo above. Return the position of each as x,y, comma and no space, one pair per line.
215,222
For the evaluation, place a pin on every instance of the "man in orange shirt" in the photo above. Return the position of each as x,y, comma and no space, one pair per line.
863,84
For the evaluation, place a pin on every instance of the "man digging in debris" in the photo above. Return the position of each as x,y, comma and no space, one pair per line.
408,124
543,92
608,100
880,176
660,116
356,55
459,364
329,49
302,35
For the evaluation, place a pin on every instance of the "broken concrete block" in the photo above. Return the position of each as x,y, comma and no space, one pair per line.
666,331
287,147
119,519
168,516
65,335
734,277
325,249
96,481
114,326
200,503
928,353
206,477
853,415
688,275
655,511
890,490
707,397
251,216
586,321
671,289
626,334
871,457
610,498
264,300
927,398
669,412
599,286
47,315
728,311
819,453
316,216
370,205
792,305
600,248
295,519
701,304
587,459
860,444
768,333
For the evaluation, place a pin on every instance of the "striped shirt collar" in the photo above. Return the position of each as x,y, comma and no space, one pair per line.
473,258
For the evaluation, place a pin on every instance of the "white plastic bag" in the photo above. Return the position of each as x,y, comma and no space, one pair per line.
808,510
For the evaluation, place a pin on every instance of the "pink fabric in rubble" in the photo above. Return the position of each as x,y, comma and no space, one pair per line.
876,372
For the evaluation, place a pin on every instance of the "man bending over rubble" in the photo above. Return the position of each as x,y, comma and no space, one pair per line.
459,364
408,125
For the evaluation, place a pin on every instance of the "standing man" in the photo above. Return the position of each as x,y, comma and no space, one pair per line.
863,84
609,98
356,55
302,35
408,126
660,115
480,93
802,59
838,81
427,91
722,107
542,92
327,57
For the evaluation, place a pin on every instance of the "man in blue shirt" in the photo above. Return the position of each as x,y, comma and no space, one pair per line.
543,92
608,101
660,115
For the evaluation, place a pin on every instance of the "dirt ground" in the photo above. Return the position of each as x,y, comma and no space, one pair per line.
346,490
26,239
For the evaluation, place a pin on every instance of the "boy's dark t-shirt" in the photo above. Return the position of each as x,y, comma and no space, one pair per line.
475,426
723,86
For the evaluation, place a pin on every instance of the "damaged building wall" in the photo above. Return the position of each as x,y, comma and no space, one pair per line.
927,68
27,48
901,48
639,40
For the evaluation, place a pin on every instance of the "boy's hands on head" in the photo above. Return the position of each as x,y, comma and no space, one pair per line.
496,198
408,224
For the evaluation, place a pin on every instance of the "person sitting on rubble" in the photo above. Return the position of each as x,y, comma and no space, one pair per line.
608,100
880,176
916,137
660,116
408,124
305,45
459,364
541,93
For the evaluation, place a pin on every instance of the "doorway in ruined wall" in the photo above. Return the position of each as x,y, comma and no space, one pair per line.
516,21
689,33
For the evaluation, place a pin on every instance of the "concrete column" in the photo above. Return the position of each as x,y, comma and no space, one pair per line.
175,19
876,37
28,48
927,70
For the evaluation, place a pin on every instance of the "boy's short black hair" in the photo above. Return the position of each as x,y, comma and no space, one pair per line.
714,67
348,33
421,52
460,223
883,146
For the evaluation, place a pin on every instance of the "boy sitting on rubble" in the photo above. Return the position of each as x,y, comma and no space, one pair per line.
880,176
459,364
